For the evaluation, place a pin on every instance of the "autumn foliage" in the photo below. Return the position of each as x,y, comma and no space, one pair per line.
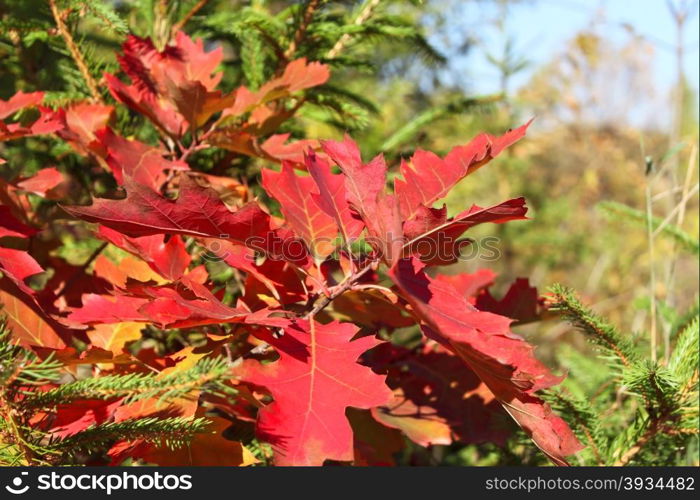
324,269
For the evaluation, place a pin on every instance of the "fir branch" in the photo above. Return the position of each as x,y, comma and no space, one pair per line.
362,16
209,374
614,210
173,432
20,366
683,363
104,12
414,126
13,428
252,58
582,415
26,444
75,52
564,301
654,384
665,394
343,94
637,447
683,320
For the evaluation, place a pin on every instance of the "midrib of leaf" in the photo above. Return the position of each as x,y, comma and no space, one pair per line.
14,314
445,225
312,379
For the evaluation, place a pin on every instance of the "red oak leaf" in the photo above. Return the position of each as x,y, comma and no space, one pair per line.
197,211
332,197
184,303
501,359
521,302
437,397
469,285
173,88
298,75
16,264
189,62
124,270
140,162
436,239
11,226
302,213
209,448
67,284
98,309
427,177
278,277
46,183
166,256
254,114
114,337
162,114
364,182
82,121
375,444
277,147
80,415
19,101
281,279
315,379
273,149
30,326
365,185
371,308
48,122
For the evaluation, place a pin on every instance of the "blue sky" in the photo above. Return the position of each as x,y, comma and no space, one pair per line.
540,28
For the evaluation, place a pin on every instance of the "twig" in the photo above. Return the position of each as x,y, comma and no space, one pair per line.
317,307
670,280
677,208
181,23
303,26
657,425
9,414
75,52
364,14
634,450
652,273
686,185
338,290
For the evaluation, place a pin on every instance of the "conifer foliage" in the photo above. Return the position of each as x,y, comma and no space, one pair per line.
652,405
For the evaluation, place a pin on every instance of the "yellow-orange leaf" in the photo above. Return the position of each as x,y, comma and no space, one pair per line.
128,267
27,325
113,337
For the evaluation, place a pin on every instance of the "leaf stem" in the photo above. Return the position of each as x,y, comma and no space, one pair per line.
347,284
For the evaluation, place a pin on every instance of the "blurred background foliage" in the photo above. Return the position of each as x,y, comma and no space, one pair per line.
591,169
